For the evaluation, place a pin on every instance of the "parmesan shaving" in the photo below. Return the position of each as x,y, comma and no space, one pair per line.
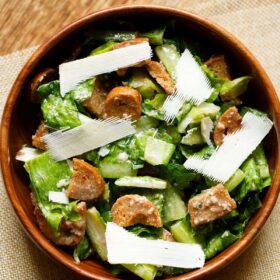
58,197
103,151
95,134
125,247
74,72
27,153
235,149
191,85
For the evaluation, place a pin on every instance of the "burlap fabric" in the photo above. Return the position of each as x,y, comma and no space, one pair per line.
257,24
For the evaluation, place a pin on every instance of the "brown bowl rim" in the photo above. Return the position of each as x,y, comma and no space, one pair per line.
258,220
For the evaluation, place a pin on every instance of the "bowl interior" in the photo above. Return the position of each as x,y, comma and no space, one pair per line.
24,116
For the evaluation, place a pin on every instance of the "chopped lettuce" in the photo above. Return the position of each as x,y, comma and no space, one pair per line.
172,212
251,182
144,271
106,47
178,175
82,91
140,139
82,250
141,81
261,161
169,56
111,167
235,180
157,151
249,206
145,123
219,243
60,113
96,227
51,88
153,107
232,89
155,36
183,232
45,173
193,137
146,231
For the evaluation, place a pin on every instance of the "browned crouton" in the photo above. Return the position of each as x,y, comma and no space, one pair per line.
219,66
158,72
228,122
95,104
37,138
134,209
210,205
123,102
45,76
86,183
70,233
167,236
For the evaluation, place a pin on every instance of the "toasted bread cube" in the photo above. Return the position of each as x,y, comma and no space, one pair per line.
130,210
70,233
158,72
219,66
37,138
228,122
86,183
123,102
95,104
210,205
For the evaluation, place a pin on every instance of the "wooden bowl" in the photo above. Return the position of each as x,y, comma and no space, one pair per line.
20,121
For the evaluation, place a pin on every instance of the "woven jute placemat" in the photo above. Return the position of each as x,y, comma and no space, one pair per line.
257,25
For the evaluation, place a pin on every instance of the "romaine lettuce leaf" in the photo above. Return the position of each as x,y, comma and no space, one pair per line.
45,173
82,250
177,175
60,113
51,88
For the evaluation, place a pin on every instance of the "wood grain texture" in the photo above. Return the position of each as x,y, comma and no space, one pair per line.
26,23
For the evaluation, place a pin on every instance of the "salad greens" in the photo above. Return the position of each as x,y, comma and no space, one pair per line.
60,113
149,163
45,174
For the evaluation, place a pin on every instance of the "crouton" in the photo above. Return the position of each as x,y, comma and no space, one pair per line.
219,66
37,138
86,183
123,102
158,72
95,104
134,209
70,233
210,205
228,122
